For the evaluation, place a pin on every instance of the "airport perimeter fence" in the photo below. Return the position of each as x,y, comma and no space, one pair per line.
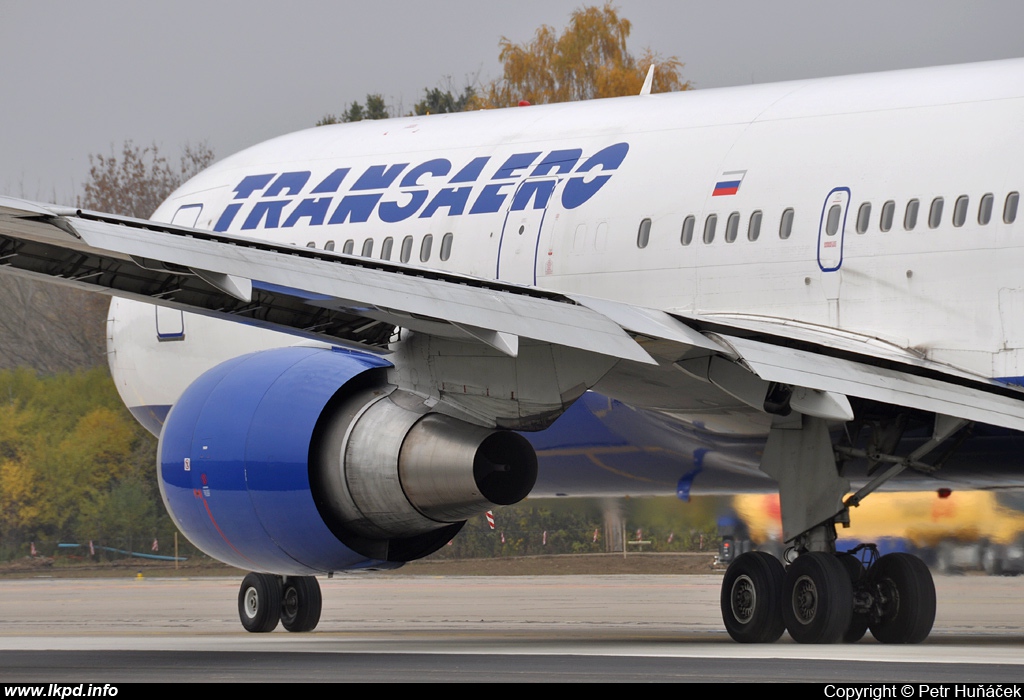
159,548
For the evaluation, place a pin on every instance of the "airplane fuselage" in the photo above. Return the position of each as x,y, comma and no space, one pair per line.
812,285
881,208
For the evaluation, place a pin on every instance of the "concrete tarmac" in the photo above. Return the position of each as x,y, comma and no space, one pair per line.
377,627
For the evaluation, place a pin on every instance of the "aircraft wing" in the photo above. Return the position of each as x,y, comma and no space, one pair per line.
301,290
353,300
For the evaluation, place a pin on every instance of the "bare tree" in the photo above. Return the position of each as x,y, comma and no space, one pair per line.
136,183
52,328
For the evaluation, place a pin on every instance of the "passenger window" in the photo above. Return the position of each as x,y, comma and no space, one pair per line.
428,240
329,246
368,248
832,223
406,249
348,247
601,236
864,217
960,210
686,237
709,227
385,248
786,224
579,238
311,244
732,227
910,215
754,227
935,213
1010,208
985,209
888,213
446,246
643,235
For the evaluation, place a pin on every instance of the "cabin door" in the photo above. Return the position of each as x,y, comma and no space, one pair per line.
831,229
520,235
831,233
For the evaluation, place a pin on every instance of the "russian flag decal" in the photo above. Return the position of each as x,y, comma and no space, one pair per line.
729,183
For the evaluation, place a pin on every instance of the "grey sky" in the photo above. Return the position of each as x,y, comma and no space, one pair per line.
77,77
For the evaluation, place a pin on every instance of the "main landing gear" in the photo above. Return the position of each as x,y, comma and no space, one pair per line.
824,598
264,600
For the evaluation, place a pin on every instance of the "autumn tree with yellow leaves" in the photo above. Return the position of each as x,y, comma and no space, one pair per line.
589,60
74,466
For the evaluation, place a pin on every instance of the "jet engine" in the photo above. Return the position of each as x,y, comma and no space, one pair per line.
304,460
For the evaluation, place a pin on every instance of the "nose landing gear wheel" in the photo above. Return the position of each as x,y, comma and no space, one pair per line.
751,595
907,594
817,599
300,603
259,602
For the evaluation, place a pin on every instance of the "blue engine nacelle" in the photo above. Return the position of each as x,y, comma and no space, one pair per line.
304,460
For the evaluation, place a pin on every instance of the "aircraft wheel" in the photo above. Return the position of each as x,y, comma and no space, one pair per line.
259,602
300,603
751,598
858,621
907,595
857,629
817,599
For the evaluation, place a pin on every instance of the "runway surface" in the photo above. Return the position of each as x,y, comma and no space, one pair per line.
377,627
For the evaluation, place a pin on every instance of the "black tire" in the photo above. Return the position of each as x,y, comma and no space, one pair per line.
751,598
300,603
858,628
858,621
908,599
854,569
817,599
259,602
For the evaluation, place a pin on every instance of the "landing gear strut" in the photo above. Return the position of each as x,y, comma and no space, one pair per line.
264,600
825,596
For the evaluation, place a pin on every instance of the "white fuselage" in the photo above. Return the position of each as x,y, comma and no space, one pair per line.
631,223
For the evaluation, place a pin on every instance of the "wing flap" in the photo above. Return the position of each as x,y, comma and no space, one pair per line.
364,287
838,341
520,315
649,322
788,365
